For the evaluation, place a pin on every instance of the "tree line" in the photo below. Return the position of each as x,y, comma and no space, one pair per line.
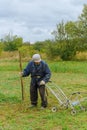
69,39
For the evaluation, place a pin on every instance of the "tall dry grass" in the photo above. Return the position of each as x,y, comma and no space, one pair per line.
80,56
8,54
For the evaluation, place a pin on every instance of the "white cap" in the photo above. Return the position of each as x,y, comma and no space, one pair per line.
36,58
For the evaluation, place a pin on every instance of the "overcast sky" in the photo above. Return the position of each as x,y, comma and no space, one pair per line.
34,20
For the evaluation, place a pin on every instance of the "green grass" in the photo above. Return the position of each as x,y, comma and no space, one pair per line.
14,115
64,67
69,66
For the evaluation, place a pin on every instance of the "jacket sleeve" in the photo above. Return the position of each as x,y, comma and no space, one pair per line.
47,75
26,71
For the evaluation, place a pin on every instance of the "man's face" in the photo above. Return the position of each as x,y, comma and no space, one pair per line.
36,63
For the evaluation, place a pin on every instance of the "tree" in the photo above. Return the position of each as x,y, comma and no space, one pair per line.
64,45
39,46
12,43
83,20
72,30
59,33
71,37
27,50
83,28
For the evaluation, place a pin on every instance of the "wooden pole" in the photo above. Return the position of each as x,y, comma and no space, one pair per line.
22,86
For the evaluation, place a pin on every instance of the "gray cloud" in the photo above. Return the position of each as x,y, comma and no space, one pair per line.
35,19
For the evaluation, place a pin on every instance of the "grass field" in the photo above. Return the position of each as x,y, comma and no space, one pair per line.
14,115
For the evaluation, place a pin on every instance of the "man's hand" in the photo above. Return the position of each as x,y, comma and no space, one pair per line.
42,82
21,74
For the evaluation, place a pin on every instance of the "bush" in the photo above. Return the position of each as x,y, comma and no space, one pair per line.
67,50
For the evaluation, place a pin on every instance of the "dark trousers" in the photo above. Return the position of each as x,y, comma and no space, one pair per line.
34,95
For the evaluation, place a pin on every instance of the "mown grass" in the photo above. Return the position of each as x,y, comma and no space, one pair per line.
14,115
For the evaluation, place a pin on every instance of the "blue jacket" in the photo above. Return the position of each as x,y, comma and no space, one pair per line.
37,72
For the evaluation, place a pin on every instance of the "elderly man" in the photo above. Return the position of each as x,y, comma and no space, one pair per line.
40,75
